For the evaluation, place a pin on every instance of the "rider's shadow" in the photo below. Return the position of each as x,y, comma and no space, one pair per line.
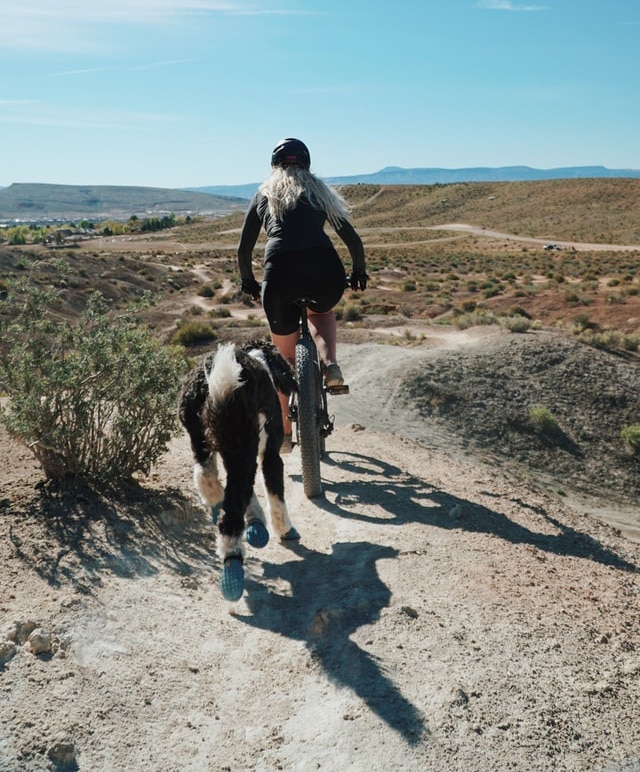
330,597
400,498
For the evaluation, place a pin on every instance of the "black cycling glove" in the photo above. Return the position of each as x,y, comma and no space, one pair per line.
357,280
251,287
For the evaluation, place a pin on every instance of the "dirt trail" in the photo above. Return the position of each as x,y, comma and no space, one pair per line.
577,245
438,613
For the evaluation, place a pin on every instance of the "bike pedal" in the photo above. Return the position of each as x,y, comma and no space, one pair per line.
335,390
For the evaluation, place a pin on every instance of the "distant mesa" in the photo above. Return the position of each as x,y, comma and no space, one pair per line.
30,201
396,175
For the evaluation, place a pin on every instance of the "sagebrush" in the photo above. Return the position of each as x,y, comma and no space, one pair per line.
94,399
631,435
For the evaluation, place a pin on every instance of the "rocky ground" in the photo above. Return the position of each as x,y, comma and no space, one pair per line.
466,596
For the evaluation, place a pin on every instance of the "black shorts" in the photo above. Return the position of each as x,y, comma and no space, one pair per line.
317,274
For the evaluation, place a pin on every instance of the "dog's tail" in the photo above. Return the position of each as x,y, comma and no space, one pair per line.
224,377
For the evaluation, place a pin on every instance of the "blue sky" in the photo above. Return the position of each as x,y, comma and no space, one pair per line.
177,93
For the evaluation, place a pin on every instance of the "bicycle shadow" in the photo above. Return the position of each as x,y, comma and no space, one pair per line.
331,596
405,498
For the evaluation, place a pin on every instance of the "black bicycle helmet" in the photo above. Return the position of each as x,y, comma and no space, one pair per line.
291,152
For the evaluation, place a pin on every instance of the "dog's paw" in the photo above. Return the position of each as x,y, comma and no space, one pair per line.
256,534
232,580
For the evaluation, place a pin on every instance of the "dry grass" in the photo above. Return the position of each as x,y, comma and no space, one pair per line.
417,270
421,272
588,210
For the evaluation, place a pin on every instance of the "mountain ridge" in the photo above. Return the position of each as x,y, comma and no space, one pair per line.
29,202
39,201
397,175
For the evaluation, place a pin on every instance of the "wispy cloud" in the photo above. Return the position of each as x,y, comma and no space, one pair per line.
150,66
37,113
75,24
506,5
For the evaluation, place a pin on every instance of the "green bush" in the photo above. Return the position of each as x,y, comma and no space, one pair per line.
351,313
542,420
207,290
515,323
94,400
17,239
478,317
610,340
193,333
631,435
219,313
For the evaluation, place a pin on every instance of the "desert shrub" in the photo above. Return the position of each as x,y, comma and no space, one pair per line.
542,420
94,400
207,290
492,291
631,435
478,317
581,323
380,309
631,342
17,239
219,313
351,313
610,339
519,311
193,333
515,323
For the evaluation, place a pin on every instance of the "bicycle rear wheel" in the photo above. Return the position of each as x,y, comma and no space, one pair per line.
309,416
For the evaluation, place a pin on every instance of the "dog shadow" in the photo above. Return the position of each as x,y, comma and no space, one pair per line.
330,597
404,498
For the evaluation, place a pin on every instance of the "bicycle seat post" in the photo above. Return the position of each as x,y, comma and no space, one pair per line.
303,303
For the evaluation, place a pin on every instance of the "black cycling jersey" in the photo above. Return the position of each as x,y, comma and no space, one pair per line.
301,229
299,261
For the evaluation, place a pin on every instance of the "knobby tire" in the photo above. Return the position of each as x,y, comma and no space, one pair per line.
309,417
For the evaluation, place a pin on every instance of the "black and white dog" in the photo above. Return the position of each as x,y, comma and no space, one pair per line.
229,406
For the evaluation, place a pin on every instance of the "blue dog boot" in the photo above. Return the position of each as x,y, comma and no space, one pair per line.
291,535
215,514
256,534
232,580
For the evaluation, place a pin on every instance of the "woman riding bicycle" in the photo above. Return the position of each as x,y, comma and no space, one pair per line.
300,260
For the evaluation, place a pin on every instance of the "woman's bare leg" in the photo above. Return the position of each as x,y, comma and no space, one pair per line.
323,329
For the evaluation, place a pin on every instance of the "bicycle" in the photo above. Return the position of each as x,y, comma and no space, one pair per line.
308,407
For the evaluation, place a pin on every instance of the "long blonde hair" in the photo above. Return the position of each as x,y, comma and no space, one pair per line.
287,185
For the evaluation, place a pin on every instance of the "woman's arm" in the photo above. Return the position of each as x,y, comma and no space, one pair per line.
348,234
248,238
